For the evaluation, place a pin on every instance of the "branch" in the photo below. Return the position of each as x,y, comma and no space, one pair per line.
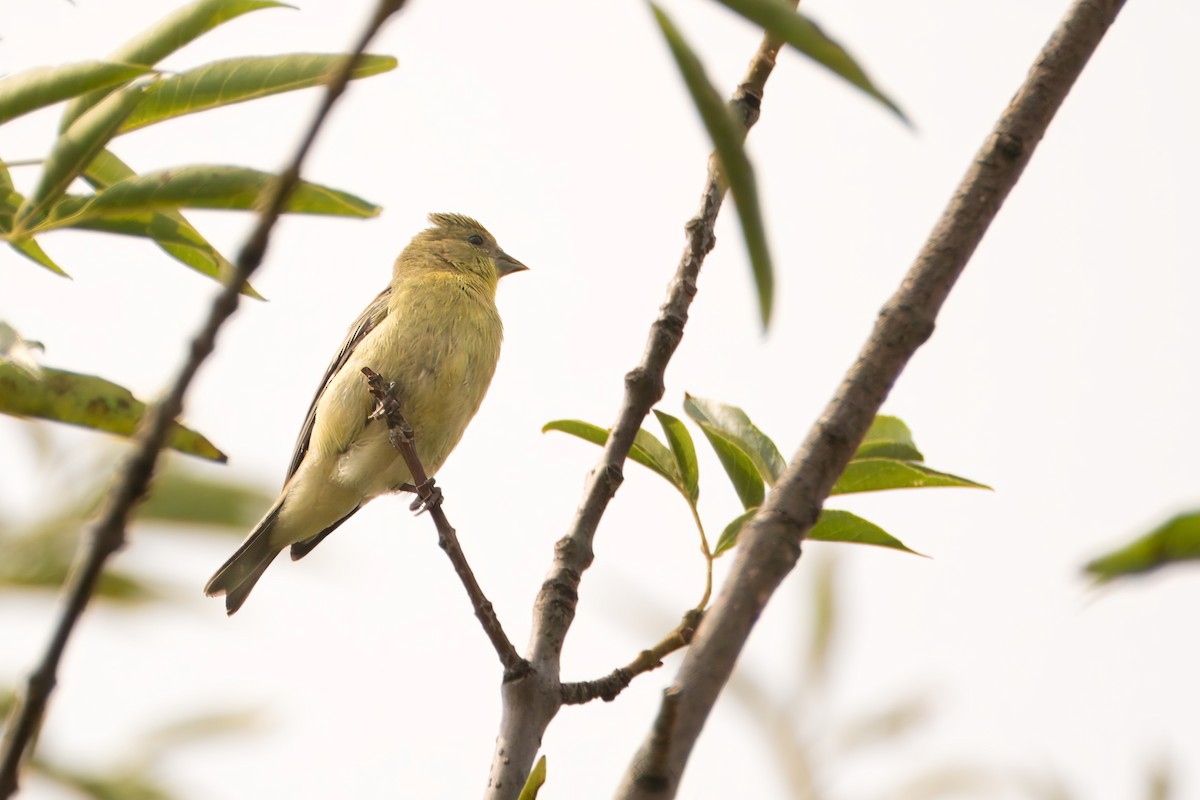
770,545
429,498
612,684
107,536
530,703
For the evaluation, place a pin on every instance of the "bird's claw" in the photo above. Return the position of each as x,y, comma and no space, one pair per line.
428,496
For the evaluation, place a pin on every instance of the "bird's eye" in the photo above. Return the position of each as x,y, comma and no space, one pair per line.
475,239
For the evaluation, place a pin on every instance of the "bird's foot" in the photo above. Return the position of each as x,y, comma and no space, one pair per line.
428,496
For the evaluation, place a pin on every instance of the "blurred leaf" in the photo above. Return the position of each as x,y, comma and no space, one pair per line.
166,740
882,726
44,86
824,617
735,426
647,450
180,496
803,34
889,437
533,783
34,252
1158,781
118,785
106,169
43,562
1176,540
168,35
835,525
684,451
727,134
72,151
88,401
229,188
238,80
18,351
877,474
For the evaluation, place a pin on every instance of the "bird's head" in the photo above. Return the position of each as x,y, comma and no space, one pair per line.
463,244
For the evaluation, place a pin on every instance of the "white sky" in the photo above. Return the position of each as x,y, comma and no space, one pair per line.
1062,373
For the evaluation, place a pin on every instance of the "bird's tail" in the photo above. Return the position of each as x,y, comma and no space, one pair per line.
237,576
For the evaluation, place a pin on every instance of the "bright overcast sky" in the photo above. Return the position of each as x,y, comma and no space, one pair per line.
1062,373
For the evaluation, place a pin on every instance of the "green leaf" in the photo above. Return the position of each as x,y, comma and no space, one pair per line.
744,476
168,35
34,252
533,783
841,526
72,151
832,526
802,33
227,188
877,474
736,427
729,536
685,453
238,80
183,497
44,86
90,402
647,450
889,437
106,169
43,562
727,135
1176,540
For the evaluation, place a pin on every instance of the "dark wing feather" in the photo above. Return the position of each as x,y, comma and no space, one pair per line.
371,316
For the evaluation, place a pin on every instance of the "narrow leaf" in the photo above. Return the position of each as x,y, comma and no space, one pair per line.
685,453
238,80
803,34
106,169
34,252
889,437
729,536
841,526
877,474
1176,540
745,477
90,402
74,149
727,134
168,35
647,450
533,784
227,188
186,498
44,86
735,426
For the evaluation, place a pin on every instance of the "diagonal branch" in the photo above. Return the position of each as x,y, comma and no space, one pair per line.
429,498
771,543
531,702
107,536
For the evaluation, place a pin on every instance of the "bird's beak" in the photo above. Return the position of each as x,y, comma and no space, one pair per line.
507,265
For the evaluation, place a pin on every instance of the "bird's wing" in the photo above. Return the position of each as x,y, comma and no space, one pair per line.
367,321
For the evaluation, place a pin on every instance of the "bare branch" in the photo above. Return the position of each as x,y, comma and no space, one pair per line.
530,704
429,498
612,684
770,545
107,536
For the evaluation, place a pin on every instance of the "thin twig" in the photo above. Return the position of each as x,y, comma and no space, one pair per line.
612,684
770,545
400,434
531,704
107,536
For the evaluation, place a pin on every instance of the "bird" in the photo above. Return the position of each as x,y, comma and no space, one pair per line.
435,334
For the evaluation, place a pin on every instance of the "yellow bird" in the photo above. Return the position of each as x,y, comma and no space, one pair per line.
435,332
